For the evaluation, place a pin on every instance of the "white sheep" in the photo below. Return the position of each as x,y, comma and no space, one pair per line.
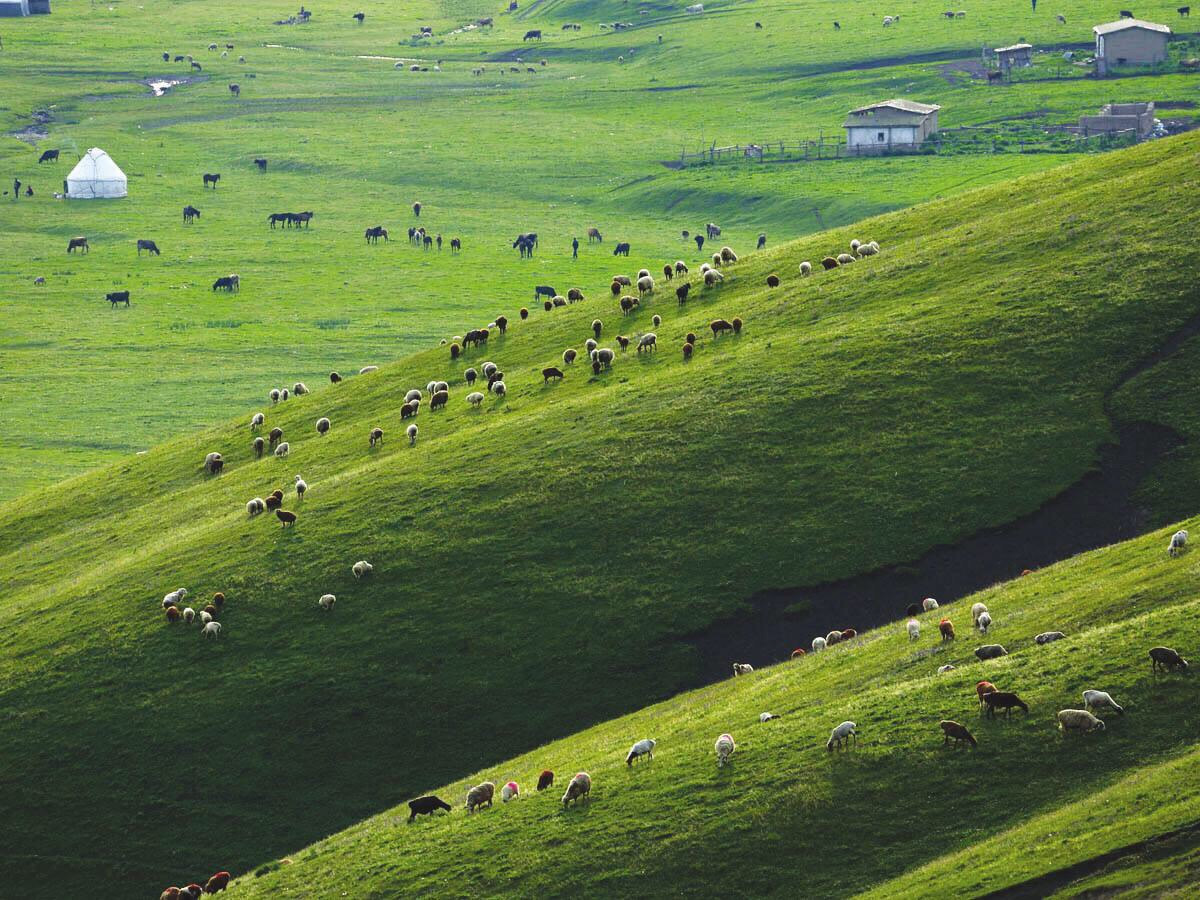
914,629
174,597
274,395
648,341
712,276
282,450
645,284
412,395
361,568
257,421
767,717
367,370
806,268
644,747
985,622
475,398
716,260
1048,637
189,615
818,644
326,602
301,487
488,369
868,249
205,617
211,629
1178,542
411,431
724,747
929,604
976,611
948,667
300,388
742,669
1078,719
255,506
842,735
510,791
322,425
499,389
1101,700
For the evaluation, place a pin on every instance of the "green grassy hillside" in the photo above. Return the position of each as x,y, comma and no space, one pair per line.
900,815
538,560
579,142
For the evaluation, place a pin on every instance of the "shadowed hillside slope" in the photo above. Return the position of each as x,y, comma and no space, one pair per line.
537,560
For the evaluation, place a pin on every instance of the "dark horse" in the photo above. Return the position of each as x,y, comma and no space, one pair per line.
211,179
374,234
622,249
149,246
274,218
49,156
189,213
77,243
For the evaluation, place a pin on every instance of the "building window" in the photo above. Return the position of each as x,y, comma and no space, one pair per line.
880,138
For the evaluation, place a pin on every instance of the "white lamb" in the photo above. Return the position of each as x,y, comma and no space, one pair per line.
212,630
326,602
301,487
985,622
1101,700
205,617
475,398
806,268
282,450
976,611
725,747
361,568
929,604
818,644
644,747
174,597
256,422
742,669
189,615
842,735
412,435
914,629
1178,542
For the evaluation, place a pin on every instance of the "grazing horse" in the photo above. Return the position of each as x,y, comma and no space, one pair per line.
77,243
225,284
49,156
149,246
190,213
455,245
261,163
534,34
593,234
622,249
117,297
374,234
236,90
712,230
211,179
197,66
303,218
525,246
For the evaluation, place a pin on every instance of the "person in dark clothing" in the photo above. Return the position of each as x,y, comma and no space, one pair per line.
574,248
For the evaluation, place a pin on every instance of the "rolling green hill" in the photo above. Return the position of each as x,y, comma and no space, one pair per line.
579,142
899,815
540,560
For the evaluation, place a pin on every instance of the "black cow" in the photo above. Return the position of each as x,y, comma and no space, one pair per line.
534,34
116,297
148,246
49,156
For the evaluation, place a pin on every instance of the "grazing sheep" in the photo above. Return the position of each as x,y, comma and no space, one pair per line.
1078,720
375,437
218,882
982,688
334,377
806,268
914,629
551,372
274,501
1005,700
818,644
958,733
367,370
773,281
211,610
174,597
283,394
728,256
510,791
524,313
1047,637
946,627
742,669
719,326
300,389
274,395
644,747
285,518
977,610
855,244
648,341
480,796
849,634
362,568
255,506
425,806
990,651
275,436
724,747
545,780
929,604
475,398
842,735
568,356
868,249
439,400
767,717
844,259
326,602
681,293
645,285
301,487
415,394
597,327
1166,659
173,614
257,421
211,629
712,277
949,667
282,450
574,295
1101,700
984,623
580,788
717,259
259,446
410,409
498,388
218,600
680,267
912,610
211,463
834,637
205,617
797,653
1178,542
189,616
322,425
656,320
688,349
411,431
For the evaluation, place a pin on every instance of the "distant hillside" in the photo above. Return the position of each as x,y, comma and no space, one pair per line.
538,560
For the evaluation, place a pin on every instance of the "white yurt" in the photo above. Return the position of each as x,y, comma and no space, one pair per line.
96,175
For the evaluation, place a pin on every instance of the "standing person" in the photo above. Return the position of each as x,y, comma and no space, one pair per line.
1034,2
16,188
574,248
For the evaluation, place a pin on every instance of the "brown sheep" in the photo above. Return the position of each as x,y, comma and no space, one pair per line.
439,400
687,351
545,780
285,518
273,502
455,350
737,325
597,327
173,614
551,372
547,306
691,337
409,409
1166,659
628,304
718,326
957,732
211,610
375,437
275,436
575,295
616,288
946,627
559,301
569,356
524,313
259,445
624,280
681,292
668,272
656,320
502,324
1004,700
829,263
218,599
624,342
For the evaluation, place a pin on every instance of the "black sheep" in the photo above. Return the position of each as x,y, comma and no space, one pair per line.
426,806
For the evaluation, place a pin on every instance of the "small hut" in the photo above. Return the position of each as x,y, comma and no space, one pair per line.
95,176
1018,56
